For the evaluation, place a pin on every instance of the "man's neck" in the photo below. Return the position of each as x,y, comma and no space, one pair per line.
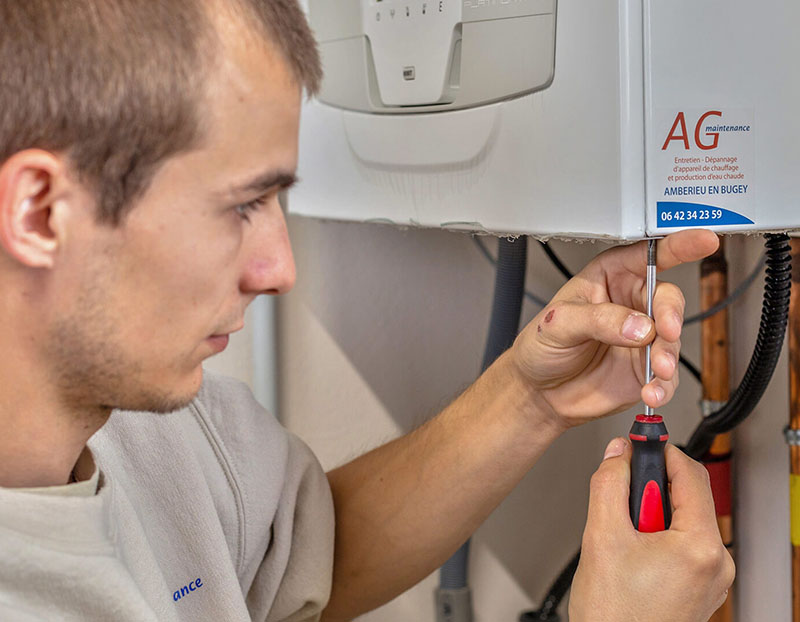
41,438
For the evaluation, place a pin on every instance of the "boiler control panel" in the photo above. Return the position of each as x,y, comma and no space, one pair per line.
405,56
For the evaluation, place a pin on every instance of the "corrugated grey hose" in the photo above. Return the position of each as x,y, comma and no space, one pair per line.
453,598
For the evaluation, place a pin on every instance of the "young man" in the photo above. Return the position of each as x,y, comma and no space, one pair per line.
142,148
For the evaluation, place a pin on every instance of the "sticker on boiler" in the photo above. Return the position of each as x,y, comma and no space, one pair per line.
704,167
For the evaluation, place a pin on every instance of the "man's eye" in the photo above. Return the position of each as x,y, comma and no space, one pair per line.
245,209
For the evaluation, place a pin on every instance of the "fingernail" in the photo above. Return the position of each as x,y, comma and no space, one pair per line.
636,327
659,393
614,449
672,360
677,318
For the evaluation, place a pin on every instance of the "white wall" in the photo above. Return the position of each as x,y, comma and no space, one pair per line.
386,326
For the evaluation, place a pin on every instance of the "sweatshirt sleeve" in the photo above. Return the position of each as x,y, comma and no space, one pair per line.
303,532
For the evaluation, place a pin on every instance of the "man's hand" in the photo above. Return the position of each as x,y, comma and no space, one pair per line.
678,575
583,354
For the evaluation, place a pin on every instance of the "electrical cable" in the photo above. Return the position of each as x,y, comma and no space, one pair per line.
771,331
556,261
742,287
690,367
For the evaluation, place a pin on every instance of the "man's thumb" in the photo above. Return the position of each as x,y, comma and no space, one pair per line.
615,448
610,487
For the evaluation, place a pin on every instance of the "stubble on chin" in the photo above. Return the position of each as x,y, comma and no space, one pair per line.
92,374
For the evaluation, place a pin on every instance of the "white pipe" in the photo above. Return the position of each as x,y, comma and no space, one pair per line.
265,353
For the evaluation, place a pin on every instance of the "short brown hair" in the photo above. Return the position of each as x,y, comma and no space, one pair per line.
117,84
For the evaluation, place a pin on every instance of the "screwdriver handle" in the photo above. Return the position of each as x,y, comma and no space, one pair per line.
649,500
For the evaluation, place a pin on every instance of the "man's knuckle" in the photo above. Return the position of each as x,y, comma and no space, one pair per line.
704,475
729,571
681,298
555,311
677,293
597,314
700,473
708,557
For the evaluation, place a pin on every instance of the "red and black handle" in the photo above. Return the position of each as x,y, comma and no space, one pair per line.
649,501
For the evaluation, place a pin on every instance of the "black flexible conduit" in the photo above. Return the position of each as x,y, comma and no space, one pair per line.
509,291
774,316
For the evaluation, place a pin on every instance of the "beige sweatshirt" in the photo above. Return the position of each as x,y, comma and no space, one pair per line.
213,513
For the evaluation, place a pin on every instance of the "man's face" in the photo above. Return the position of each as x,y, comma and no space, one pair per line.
142,305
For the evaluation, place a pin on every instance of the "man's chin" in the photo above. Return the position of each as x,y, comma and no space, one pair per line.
162,398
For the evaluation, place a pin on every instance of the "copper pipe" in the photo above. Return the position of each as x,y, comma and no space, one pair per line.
794,424
716,388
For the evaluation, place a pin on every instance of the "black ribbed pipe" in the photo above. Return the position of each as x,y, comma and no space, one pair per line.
509,291
774,317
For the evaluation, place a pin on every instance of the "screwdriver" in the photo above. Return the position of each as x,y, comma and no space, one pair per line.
649,499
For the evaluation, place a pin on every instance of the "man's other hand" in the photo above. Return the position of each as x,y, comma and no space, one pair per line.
678,575
584,353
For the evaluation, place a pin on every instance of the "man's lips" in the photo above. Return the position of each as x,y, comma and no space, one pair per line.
218,342
228,332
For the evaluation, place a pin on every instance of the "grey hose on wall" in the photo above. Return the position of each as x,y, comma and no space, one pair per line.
453,600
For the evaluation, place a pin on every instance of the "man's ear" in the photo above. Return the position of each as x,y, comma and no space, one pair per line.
34,186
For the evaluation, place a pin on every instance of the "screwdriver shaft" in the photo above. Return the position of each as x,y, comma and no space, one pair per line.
651,289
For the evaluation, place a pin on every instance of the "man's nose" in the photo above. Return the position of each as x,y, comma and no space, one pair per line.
269,265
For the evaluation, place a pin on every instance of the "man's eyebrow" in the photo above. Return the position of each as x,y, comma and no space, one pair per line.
263,183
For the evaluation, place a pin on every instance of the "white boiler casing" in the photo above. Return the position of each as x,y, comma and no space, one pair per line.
613,119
